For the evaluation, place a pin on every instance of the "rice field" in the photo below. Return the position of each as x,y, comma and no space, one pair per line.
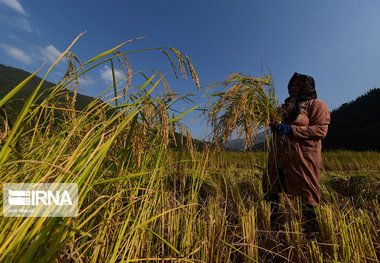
142,200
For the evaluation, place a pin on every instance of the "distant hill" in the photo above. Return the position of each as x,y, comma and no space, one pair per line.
356,125
10,77
235,145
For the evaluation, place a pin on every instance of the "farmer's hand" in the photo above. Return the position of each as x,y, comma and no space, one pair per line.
283,129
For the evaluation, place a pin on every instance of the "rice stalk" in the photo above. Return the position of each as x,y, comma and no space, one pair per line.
87,147
246,106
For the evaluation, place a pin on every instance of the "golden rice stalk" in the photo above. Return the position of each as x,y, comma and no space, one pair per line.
247,106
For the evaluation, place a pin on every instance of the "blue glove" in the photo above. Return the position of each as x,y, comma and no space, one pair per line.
283,129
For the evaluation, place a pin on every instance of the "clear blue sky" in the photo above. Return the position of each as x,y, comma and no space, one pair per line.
336,42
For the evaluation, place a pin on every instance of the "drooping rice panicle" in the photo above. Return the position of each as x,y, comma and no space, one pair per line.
247,106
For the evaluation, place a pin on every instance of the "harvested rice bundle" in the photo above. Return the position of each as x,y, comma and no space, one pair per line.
248,105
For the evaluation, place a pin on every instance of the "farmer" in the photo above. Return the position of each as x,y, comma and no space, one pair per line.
295,157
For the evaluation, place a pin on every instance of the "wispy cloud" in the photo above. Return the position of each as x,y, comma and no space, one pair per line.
14,4
85,82
17,54
23,23
106,74
51,52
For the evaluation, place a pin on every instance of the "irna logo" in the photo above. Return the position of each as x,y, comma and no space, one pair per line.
35,197
40,200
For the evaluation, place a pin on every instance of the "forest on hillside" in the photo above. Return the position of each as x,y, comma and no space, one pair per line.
355,125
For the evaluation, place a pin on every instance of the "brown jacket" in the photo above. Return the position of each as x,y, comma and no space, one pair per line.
299,154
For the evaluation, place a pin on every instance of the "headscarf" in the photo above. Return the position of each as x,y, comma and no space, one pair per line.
291,108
